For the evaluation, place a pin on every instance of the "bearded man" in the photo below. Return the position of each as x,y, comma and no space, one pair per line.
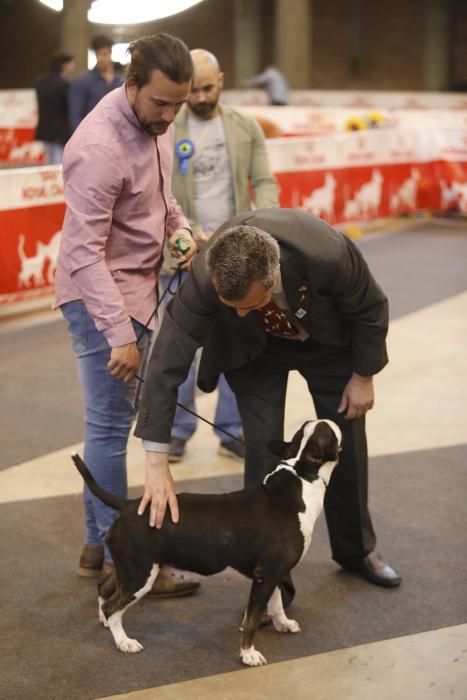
119,212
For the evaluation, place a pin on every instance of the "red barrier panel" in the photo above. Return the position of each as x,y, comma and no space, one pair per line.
18,118
350,177
373,174
31,217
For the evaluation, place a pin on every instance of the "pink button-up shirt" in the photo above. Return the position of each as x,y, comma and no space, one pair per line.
119,205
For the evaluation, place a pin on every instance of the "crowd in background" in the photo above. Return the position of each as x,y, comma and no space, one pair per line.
64,101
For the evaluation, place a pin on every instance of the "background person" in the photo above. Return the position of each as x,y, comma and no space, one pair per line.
53,126
119,211
211,186
274,83
92,85
328,320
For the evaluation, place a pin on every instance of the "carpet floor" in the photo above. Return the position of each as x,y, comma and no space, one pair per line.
52,646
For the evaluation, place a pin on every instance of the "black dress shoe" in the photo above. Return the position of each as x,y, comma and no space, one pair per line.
374,569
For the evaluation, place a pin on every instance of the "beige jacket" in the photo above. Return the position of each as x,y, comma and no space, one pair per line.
249,162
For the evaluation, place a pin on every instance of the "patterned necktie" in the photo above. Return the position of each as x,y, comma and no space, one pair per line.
274,320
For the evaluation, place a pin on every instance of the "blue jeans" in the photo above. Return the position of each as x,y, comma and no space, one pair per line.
54,153
109,406
227,415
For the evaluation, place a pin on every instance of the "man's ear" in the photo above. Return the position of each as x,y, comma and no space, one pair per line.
131,90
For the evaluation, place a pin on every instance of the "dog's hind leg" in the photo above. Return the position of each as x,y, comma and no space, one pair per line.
279,619
106,587
261,591
115,607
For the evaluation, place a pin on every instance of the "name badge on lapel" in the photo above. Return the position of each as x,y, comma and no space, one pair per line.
300,313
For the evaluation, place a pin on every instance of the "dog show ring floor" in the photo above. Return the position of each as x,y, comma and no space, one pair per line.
358,641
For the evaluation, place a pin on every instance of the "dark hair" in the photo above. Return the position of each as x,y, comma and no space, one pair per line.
101,42
58,60
162,52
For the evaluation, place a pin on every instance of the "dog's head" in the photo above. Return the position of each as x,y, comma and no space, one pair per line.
315,444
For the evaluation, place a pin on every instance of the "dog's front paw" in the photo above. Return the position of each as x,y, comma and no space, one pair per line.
130,646
252,657
286,625
102,617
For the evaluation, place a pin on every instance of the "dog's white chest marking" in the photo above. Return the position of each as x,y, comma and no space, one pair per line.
313,496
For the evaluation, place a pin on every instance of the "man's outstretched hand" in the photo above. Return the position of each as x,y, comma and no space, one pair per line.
159,489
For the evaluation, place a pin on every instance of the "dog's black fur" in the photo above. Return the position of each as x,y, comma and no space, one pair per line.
256,531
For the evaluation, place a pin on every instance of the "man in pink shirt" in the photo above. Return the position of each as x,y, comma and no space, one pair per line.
119,211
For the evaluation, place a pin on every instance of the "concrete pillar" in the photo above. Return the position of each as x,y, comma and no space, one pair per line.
75,31
436,59
247,40
293,41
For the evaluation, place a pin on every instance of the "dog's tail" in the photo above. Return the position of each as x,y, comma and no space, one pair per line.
108,498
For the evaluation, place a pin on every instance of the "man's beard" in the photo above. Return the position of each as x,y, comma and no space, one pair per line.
154,128
203,109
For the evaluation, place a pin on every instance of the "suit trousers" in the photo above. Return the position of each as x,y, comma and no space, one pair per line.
260,388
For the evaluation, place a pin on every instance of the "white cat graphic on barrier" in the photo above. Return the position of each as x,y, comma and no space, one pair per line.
321,201
405,198
368,197
32,268
460,190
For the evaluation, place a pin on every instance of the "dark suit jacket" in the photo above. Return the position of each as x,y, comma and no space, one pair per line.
52,100
328,286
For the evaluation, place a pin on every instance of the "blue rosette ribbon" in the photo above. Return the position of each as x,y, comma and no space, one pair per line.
184,149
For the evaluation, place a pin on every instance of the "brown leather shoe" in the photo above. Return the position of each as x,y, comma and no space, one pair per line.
171,583
91,561
374,569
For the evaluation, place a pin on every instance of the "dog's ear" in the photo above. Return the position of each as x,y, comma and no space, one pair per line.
287,450
280,449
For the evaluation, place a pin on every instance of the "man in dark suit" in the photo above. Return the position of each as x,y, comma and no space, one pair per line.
328,319
53,127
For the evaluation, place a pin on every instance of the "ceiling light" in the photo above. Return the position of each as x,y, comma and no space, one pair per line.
128,11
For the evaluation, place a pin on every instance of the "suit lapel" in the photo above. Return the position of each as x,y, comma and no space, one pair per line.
296,289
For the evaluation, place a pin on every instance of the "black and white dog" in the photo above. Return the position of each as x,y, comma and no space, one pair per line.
262,532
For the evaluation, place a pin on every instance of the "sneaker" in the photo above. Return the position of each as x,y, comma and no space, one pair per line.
91,561
171,583
233,449
176,449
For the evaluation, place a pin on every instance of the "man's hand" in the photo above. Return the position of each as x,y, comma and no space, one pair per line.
159,489
202,235
188,246
358,397
124,362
